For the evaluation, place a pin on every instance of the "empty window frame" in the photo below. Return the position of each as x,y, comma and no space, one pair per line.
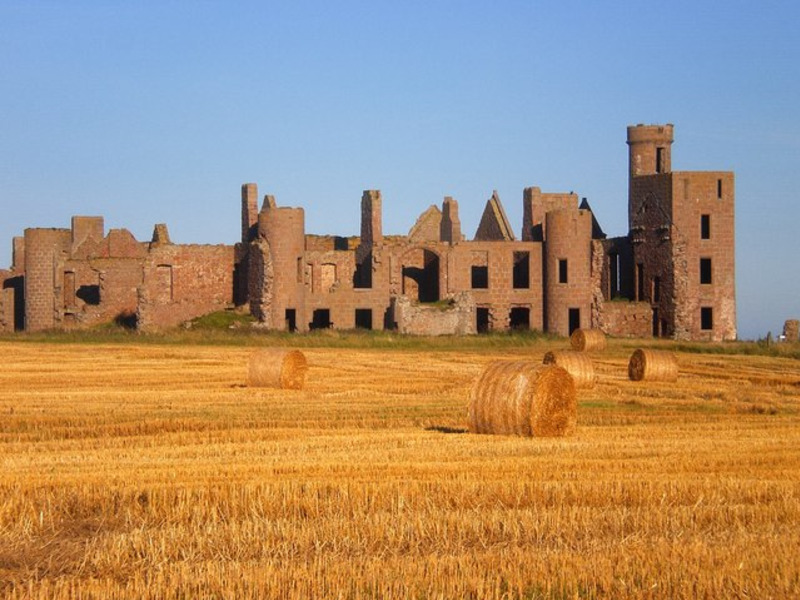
705,271
706,318
705,227
613,275
563,271
363,318
480,277
659,160
640,282
719,189
362,277
655,292
321,319
519,318
522,270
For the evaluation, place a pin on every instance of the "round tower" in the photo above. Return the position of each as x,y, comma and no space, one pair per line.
284,231
568,290
42,276
650,149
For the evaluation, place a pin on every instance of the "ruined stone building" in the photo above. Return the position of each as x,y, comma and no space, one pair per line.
671,276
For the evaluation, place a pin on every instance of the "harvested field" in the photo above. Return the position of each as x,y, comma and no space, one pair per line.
148,471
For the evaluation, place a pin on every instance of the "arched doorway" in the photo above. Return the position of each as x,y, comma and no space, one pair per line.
421,275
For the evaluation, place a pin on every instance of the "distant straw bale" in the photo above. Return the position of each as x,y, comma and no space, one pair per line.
587,340
576,364
652,365
791,330
523,398
277,368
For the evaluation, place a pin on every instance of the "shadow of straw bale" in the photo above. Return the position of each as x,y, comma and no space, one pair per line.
443,429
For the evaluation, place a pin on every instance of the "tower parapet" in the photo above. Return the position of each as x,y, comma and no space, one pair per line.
650,149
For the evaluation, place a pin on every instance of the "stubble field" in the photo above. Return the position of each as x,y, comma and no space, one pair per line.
150,471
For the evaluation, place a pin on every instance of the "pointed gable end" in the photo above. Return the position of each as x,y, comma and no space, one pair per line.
494,226
427,227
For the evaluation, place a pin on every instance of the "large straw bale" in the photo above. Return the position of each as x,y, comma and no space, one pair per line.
652,365
587,340
277,368
576,364
791,330
523,398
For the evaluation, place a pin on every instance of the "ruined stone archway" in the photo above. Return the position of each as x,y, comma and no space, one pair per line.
421,275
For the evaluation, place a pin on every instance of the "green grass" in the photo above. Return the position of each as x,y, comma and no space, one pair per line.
232,328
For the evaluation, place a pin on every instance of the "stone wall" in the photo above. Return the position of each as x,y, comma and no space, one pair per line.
448,317
627,319
182,282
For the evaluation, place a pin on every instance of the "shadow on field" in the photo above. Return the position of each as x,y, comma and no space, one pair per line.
442,429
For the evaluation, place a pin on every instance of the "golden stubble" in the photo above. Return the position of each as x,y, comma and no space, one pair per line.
153,472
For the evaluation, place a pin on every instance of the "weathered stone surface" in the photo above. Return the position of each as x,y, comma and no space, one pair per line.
453,316
675,267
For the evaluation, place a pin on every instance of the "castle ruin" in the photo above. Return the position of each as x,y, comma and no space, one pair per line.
671,276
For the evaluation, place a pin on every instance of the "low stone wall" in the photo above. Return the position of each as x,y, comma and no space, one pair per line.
627,319
454,318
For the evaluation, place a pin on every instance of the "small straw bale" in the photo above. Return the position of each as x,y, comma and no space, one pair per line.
791,330
652,365
523,398
576,364
587,340
277,368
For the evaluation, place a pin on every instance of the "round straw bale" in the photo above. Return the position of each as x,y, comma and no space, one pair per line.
523,398
576,364
277,368
587,340
652,365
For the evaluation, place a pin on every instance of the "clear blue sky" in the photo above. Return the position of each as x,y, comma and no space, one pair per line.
150,112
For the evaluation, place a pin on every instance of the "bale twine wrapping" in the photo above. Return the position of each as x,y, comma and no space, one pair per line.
523,398
652,365
576,364
277,368
587,340
791,330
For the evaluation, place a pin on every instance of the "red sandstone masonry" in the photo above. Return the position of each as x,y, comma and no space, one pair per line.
77,277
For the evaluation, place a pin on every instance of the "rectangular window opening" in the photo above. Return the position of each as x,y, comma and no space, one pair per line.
613,276
705,227
655,295
659,160
480,277
363,318
520,318
705,270
522,270
563,271
362,277
640,282
719,189
321,319
706,318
